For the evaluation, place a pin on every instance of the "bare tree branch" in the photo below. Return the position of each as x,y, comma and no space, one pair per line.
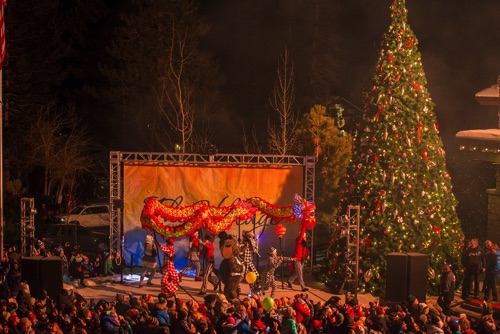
282,138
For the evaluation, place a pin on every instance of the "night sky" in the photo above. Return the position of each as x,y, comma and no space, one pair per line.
459,43
458,40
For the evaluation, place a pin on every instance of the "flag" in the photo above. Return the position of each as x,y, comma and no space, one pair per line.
2,31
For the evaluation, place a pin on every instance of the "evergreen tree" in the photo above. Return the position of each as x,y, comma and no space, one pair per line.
398,174
332,147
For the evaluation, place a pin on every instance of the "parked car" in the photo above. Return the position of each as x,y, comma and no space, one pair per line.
90,216
88,240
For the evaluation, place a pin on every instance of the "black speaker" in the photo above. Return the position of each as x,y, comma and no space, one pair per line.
42,273
30,268
51,276
396,278
417,275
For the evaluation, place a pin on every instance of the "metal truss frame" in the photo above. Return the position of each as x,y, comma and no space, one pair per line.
28,212
118,159
352,250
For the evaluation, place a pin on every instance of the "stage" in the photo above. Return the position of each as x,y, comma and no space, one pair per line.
107,288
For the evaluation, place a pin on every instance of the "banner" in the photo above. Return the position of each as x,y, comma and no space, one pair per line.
215,185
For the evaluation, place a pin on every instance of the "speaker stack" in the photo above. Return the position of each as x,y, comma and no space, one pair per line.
406,275
42,274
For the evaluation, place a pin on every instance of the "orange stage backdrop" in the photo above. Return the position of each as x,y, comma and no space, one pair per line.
216,185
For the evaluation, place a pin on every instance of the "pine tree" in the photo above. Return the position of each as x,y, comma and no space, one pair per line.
321,137
398,174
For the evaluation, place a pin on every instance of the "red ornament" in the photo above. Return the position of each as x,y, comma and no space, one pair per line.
419,131
280,230
424,154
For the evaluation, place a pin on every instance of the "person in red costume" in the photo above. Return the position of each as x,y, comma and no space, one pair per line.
208,263
193,256
170,278
301,255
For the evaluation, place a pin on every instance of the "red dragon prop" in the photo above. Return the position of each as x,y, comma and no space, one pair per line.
178,221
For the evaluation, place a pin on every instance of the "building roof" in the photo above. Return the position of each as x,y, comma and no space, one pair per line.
489,96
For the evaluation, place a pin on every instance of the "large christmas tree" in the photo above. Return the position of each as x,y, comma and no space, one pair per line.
398,175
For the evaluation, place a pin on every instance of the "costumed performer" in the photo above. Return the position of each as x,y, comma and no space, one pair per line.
170,278
300,255
248,249
149,260
208,255
193,256
273,262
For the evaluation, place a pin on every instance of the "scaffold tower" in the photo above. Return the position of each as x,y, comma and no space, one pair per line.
352,250
28,213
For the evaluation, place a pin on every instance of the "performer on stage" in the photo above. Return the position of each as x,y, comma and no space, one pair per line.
301,254
208,263
248,249
192,256
170,278
149,260
273,262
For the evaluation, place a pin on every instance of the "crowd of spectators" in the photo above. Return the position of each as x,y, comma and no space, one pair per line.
69,312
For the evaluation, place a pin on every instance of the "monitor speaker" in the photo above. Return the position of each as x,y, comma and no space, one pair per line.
42,273
417,275
30,267
51,276
396,278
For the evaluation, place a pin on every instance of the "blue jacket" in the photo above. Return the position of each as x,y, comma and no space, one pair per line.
108,322
162,316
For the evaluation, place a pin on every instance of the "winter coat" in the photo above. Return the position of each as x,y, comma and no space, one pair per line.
109,324
289,326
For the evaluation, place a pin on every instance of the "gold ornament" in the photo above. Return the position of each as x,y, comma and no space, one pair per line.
431,273
368,275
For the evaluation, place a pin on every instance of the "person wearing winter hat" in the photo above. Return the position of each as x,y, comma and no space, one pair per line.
288,324
149,260
160,311
183,325
273,262
12,323
25,325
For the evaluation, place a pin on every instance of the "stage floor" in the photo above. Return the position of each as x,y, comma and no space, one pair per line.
107,288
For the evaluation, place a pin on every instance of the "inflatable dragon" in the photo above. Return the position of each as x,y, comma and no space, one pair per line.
178,221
